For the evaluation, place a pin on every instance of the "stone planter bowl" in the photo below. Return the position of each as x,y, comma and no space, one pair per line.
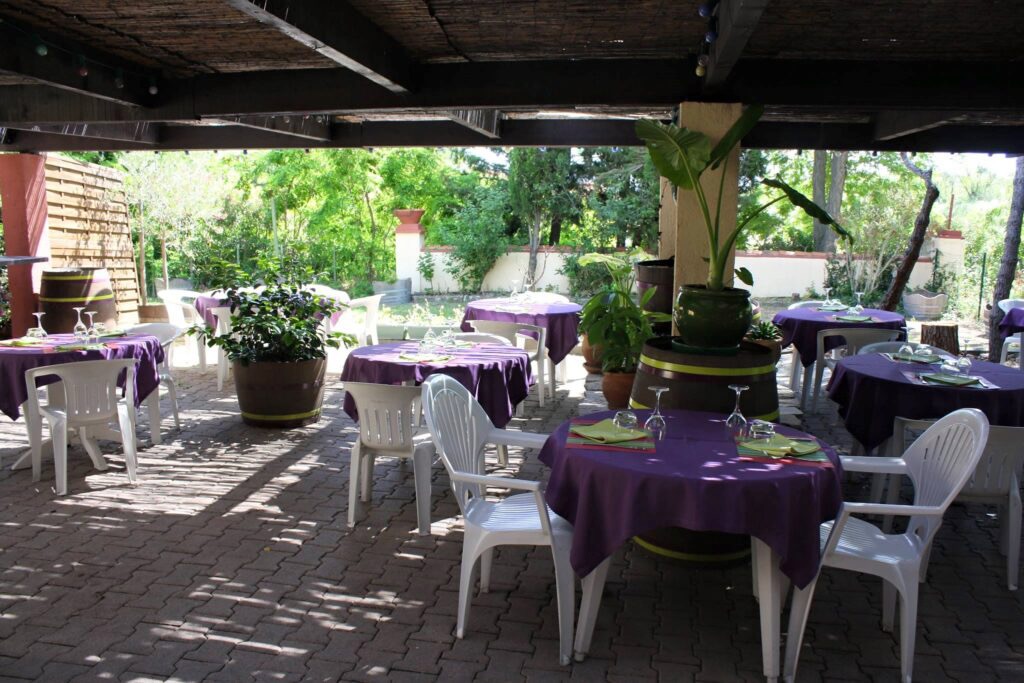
925,305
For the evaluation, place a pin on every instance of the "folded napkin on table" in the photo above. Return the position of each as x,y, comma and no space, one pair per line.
854,318
80,347
606,431
927,358
23,341
113,333
952,380
833,307
425,357
780,446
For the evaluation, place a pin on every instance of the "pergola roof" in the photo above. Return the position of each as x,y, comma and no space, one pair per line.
942,75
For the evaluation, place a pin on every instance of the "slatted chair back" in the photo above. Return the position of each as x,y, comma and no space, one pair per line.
895,346
388,416
1006,304
805,304
481,338
91,394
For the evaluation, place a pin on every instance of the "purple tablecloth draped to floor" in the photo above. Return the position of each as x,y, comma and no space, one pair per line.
205,305
694,480
1012,322
498,376
15,360
800,327
561,320
871,390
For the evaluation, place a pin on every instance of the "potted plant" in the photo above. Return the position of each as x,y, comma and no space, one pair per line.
713,317
613,320
278,351
765,333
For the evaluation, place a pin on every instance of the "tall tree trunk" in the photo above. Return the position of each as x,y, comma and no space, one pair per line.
909,260
836,184
371,270
556,231
818,181
143,285
163,260
534,248
1008,264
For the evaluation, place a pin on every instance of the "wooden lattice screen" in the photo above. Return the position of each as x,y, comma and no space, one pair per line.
88,226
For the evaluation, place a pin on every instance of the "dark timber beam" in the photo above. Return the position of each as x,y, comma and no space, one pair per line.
307,127
736,22
334,29
861,137
484,121
109,78
894,124
143,132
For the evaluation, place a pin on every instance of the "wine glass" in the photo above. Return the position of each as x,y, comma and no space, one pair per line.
761,430
963,364
828,299
81,331
514,291
37,332
655,424
736,423
625,419
429,341
923,350
91,332
860,304
906,352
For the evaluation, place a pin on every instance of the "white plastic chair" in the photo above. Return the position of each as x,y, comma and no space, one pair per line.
167,334
995,481
854,338
460,428
89,399
388,418
481,338
1006,304
895,346
545,298
512,332
181,311
1012,344
223,315
939,464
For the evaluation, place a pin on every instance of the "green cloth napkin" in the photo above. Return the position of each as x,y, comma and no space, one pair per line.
425,357
624,445
833,307
779,446
80,347
952,380
607,431
23,341
854,318
928,358
113,333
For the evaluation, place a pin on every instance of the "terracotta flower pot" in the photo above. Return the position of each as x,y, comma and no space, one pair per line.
591,356
280,394
616,387
409,216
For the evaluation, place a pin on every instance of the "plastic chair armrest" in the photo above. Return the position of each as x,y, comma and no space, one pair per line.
871,463
508,437
496,481
889,509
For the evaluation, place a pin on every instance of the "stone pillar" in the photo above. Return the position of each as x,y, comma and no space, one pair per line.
691,242
23,194
408,245
667,221
950,244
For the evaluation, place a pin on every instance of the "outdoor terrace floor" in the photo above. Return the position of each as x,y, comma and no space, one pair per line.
231,561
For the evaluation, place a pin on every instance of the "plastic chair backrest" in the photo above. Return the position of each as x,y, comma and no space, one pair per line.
177,302
895,346
509,330
387,415
854,337
459,426
481,338
805,304
223,315
546,298
941,461
372,305
329,292
90,387
1006,304
165,332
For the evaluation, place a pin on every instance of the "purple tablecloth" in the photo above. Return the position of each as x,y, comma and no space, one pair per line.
498,376
800,327
561,320
205,305
871,390
15,360
694,480
1012,322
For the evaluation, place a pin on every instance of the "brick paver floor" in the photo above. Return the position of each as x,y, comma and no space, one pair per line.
231,561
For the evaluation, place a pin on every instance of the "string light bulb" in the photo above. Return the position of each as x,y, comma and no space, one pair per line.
119,79
701,70
83,68
41,48
153,90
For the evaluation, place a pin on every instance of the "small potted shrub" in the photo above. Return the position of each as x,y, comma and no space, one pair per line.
278,350
613,320
765,333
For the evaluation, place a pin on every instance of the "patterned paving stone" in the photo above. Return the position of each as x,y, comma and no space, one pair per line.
232,561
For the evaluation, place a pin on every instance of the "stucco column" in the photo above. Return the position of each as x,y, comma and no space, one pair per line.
23,193
950,244
691,242
408,245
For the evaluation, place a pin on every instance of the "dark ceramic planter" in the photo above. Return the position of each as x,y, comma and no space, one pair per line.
712,321
280,395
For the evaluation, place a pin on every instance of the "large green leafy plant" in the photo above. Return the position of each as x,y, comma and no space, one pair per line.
280,323
683,156
612,318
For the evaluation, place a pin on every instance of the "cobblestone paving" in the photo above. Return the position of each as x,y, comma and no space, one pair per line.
231,561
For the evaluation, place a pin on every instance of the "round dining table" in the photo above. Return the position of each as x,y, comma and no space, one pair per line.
64,348
800,327
694,478
560,319
872,390
496,374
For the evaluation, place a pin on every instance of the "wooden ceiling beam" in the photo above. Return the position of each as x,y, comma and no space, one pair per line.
895,124
60,66
306,126
737,20
484,121
334,29
142,132
861,137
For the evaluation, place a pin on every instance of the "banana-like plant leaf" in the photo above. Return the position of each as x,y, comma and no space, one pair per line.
743,125
810,208
679,154
745,276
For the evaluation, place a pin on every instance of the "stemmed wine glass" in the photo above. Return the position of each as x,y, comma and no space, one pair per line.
828,299
860,306
963,364
655,424
514,292
81,331
91,332
736,423
37,332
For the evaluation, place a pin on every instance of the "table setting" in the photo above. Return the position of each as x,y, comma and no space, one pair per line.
560,319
